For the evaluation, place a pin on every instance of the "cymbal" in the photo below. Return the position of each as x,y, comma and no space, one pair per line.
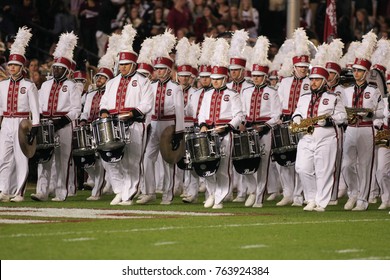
167,153
24,129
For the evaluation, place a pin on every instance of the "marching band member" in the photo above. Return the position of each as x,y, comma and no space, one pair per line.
90,113
18,99
60,101
186,58
289,91
383,170
168,110
262,108
193,108
237,63
221,110
316,156
129,96
379,59
334,54
358,147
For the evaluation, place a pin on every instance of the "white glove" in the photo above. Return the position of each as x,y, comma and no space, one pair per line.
321,122
297,119
362,114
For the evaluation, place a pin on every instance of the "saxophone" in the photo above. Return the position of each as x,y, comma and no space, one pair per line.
353,114
382,138
307,125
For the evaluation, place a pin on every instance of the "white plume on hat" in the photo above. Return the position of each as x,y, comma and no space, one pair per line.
335,51
321,56
220,55
301,42
182,52
260,52
207,51
349,56
108,59
238,43
66,45
194,55
283,59
21,41
382,53
367,47
145,52
166,42
248,50
127,38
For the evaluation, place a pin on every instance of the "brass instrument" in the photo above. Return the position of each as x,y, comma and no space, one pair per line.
382,138
307,125
353,114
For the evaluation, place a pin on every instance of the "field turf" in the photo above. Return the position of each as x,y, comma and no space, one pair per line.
187,231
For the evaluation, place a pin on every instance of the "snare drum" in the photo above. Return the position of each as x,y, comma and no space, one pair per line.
108,133
82,141
203,147
246,145
284,145
45,136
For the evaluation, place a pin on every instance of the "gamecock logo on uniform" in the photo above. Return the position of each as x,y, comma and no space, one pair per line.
23,90
169,92
367,95
265,96
134,83
65,88
226,97
325,101
306,86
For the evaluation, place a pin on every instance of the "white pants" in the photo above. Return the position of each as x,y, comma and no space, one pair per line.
13,163
358,160
383,173
315,164
96,174
60,161
151,154
220,183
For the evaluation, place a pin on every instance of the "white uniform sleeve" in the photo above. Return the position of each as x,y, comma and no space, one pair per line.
147,98
339,115
179,110
238,116
75,103
33,101
276,109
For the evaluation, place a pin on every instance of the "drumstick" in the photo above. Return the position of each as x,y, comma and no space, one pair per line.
215,128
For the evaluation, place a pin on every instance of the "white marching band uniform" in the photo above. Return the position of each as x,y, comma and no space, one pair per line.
316,155
261,106
125,94
221,107
18,100
58,99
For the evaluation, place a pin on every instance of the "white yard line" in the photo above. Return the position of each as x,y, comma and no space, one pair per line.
254,246
265,224
346,251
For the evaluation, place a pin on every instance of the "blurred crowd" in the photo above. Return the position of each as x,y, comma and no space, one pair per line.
94,20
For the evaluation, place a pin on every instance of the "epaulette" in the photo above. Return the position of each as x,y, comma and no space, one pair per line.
373,85
154,81
176,83
306,93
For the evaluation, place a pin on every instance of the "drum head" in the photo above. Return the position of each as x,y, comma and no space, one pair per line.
207,168
182,165
84,161
247,166
43,155
112,156
285,159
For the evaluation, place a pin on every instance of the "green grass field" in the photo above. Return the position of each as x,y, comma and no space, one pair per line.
182,231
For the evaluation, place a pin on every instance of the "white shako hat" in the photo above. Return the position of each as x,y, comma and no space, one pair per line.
144,61
18,48
334,54
301,45
236,50
107,61
63,54
349,57
260,62
283,59
219,60
194,55
183,57
207,51
381,55
364,52
126,53
318,70
160,56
